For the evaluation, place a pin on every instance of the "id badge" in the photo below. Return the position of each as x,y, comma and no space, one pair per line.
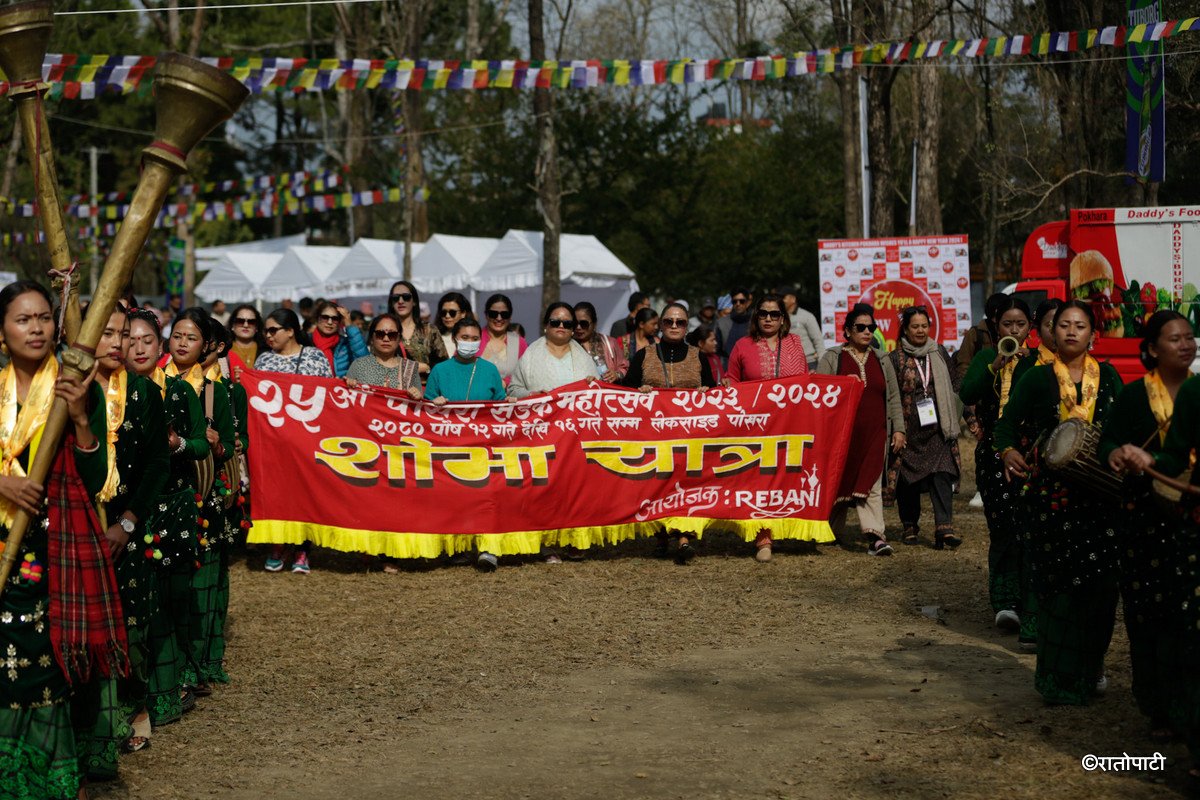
926,412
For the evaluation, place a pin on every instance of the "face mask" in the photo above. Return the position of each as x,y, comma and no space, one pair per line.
468,349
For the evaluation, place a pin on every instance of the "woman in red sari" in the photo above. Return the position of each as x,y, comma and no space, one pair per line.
878,413
768,351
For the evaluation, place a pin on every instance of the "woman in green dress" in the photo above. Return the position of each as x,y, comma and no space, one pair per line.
174,522
41,656
1151,586
987,386
190,342
1074,541
136,474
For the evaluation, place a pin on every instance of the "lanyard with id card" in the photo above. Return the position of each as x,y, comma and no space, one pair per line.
926,408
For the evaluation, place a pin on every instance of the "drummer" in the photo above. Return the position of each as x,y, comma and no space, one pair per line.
1151,586
987,386
1075,543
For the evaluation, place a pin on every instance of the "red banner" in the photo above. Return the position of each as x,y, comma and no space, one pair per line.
375,472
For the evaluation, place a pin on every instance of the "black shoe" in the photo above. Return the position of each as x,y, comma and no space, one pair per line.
188,699
685,553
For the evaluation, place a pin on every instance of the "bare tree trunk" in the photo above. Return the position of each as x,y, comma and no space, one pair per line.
847,84
929,119
354,28
197,30
546,170
173,24
279,165
879,141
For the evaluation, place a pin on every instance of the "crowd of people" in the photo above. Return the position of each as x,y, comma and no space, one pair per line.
158,445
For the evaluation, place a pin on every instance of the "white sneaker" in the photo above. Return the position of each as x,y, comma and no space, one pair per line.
1007,620
976,501
1102,685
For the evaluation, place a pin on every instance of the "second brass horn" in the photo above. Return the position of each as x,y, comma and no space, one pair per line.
24,35
191,98
1008,346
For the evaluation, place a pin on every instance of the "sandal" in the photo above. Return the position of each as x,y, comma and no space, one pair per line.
910,534
945,537
140,739
187,699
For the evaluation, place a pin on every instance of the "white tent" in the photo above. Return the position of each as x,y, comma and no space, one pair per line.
207,257
453,256
301,271
369,269
588,271
237,277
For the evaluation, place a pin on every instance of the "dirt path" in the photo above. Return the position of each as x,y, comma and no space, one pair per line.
815,676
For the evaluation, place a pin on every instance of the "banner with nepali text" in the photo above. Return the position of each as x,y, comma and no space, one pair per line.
369,470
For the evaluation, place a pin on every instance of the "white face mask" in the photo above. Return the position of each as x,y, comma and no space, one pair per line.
467,349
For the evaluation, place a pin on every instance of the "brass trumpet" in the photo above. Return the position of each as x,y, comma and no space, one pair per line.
1009,346
24,33
191,98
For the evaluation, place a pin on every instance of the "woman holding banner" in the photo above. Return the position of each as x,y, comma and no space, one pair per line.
38,756
987,386
928,462
671,364
554,360
388,364
1153,589
769,351
1075,543
879,413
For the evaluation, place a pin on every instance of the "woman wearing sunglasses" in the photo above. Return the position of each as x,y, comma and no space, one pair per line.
769,351
246,326
387,364
450,309
500,344
671,364
604,350
333,335
879,413
554,360
422,342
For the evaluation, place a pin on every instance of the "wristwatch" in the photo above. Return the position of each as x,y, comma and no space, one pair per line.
127,525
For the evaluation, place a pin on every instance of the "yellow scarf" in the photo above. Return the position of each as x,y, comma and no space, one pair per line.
1068,407
214,373
114,415
1162,406
1045,355
160,380
1006,376
19,431
194,376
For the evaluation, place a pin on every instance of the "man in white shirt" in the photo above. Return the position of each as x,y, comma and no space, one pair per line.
805,325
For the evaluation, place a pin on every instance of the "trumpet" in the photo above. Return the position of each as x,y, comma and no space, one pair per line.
1009,346
191,98
24,34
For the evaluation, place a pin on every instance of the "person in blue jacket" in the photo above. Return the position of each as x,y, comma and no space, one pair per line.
336,337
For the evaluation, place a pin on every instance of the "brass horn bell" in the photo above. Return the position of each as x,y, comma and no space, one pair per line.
24,36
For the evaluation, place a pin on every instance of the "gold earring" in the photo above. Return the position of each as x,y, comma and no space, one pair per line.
3,347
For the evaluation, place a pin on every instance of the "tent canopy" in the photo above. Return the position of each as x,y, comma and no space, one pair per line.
207,257
453,257
368,269
301,270
516,263
237,277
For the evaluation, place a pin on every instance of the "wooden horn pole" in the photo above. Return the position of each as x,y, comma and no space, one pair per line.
24,35
191,98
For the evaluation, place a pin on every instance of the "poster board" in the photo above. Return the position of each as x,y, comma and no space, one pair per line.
891,275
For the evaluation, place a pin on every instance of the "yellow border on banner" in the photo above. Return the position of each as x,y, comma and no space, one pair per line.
432,545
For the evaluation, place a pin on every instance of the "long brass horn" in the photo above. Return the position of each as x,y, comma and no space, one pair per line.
24,35
191,98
